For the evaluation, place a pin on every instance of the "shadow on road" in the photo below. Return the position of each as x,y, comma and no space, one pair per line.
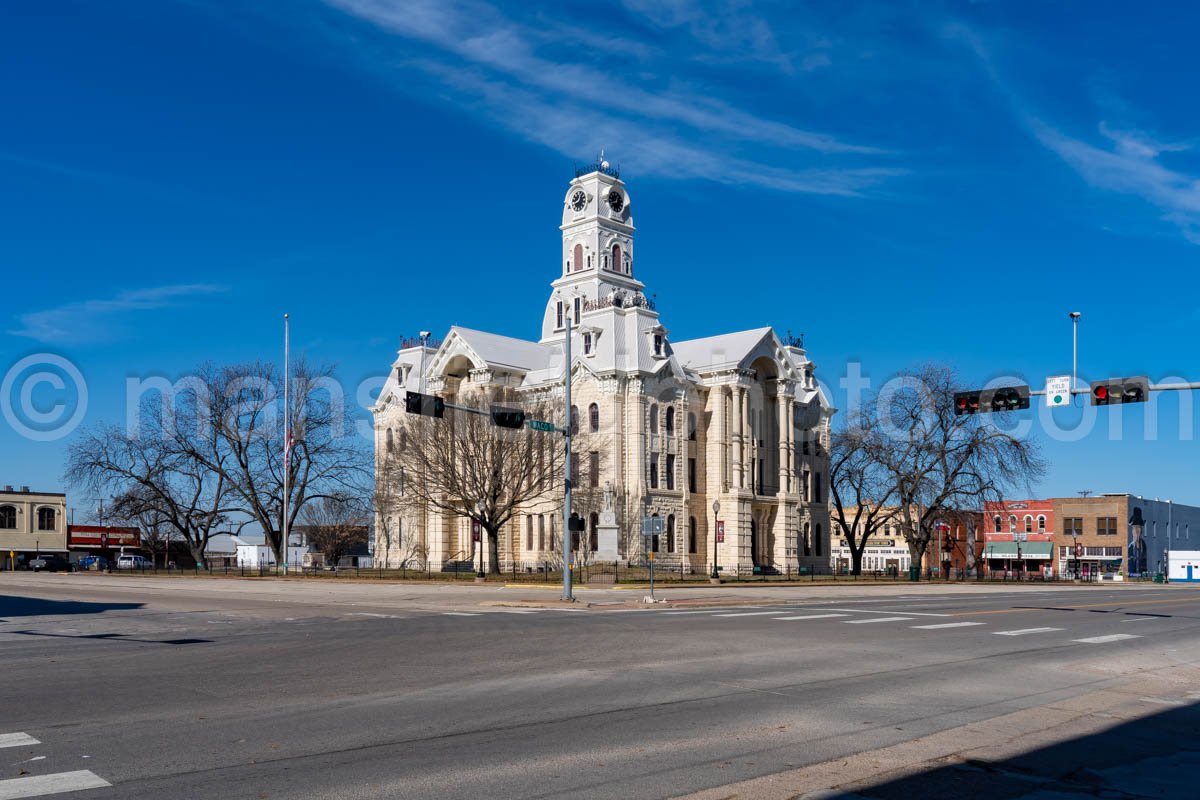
12,606
1155,756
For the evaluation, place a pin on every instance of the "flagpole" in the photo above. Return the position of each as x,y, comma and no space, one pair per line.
287,443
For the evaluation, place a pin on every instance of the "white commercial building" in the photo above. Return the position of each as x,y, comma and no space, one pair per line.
737,418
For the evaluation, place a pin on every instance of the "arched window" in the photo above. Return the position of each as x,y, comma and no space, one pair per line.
691,423
691,534
594,539
654,538
1012,523
616,258
807,540
46,519
391,445
594,418
654,417
8,517
999,523
578,257
670,533
817,541
403,440
670,420
1028,523
574,420
1041,523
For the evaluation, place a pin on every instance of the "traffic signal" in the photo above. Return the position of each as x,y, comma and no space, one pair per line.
966,403
508,417
427,405
1120,390
1010,398
1002,398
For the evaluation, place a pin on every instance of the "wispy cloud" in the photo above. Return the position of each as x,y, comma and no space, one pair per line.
99,319
1120,159
550,92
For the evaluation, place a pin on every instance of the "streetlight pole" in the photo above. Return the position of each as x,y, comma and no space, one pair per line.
567,594
716,506
1075,315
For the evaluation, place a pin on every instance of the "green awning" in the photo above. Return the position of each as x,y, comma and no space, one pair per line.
1029,550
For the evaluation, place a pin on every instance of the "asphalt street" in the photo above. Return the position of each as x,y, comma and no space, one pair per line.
118,687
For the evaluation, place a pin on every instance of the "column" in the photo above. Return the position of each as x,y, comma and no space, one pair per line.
739,439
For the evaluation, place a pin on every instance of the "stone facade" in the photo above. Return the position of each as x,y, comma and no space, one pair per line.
737,419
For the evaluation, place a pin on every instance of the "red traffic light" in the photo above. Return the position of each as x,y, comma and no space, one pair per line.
1101,392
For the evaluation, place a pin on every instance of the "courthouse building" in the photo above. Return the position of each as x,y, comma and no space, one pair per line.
737,418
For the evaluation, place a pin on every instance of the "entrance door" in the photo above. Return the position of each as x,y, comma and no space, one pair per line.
753,542
1189,572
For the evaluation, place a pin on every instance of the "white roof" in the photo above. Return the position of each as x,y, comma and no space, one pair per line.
716,352
505,351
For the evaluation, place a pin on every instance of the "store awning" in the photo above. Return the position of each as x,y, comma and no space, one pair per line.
1038,551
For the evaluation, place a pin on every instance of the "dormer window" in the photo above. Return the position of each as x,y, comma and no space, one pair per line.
658,344
559,323
578,306
587,344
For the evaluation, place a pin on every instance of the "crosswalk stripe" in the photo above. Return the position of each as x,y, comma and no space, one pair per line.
875,619
40,785
697,611
1112,637
749,614
460,613
811,616
1023,631
941,625
17,740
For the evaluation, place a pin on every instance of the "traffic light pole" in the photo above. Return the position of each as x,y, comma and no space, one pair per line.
567,594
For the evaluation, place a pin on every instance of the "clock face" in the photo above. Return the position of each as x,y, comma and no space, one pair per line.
616,201
578,200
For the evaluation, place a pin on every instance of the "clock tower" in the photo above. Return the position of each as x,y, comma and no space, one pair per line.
597,245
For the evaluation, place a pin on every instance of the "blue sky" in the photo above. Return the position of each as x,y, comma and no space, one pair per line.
898,181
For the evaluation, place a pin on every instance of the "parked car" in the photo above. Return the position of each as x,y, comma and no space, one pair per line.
132,562
93,562
51,562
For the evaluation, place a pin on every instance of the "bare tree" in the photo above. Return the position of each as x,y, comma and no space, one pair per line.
152,479
335,525
861,491
240,437
942,463
466,466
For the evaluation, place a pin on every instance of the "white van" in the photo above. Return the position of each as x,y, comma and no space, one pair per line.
132,562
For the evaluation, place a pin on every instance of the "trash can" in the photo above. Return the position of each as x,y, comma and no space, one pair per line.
1158,577
914,573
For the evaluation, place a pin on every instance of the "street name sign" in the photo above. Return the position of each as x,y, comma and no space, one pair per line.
1058,391
541,425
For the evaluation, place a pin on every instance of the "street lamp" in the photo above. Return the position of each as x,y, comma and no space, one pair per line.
716,511
564,297
477,535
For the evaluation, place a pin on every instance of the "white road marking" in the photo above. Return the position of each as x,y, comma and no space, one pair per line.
1112,637
1024,631
512,611
811,616
1141,619
941,625
875,619
40,785
460,613
750,613
17,740
698,611
369,614
882,611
